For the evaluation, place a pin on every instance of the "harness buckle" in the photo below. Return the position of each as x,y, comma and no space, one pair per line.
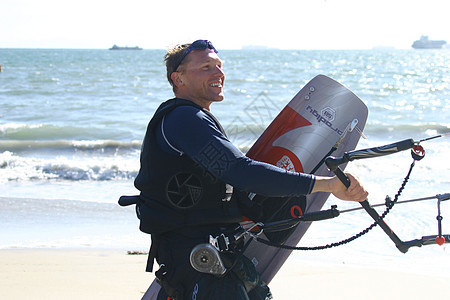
220,242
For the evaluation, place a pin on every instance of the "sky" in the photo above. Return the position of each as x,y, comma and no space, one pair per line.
229,24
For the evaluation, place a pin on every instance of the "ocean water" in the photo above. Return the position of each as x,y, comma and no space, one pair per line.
72,121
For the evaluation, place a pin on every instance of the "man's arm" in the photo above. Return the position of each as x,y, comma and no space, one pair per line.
194,133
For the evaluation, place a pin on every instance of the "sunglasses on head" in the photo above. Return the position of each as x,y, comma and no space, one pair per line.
197,45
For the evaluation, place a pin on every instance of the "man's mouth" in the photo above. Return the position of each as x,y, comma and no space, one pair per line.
216,84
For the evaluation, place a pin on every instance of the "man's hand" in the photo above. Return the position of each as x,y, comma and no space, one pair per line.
355,192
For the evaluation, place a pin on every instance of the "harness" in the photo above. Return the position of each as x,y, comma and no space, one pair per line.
176,192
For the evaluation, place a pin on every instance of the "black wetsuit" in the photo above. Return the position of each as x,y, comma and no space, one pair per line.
190,143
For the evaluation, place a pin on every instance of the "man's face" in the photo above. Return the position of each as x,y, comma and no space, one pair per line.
202,78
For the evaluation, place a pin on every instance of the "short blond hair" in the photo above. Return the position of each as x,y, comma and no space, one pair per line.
171,58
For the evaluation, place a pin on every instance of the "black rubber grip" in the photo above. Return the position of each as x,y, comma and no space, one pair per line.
128,200
320,215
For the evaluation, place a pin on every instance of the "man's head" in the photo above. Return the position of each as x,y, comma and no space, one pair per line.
195,72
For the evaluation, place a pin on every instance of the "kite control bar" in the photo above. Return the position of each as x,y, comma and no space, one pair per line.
417,153
333,163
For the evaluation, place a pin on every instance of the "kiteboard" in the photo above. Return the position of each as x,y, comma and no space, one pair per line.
323,118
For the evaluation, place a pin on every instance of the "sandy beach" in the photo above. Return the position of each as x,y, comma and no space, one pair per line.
113,274
72,274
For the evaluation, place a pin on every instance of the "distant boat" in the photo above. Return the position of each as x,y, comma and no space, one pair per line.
115,47
426,43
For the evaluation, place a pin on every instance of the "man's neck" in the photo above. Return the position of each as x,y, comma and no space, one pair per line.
204,104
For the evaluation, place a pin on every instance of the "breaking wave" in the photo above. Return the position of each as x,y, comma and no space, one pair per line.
80,167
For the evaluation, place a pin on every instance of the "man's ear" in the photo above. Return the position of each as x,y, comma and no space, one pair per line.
176,78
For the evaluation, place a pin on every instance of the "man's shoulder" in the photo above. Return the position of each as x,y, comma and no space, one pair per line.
175,107
187,113
188,109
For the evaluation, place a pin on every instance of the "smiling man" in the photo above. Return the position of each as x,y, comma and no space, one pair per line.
189,169
199,76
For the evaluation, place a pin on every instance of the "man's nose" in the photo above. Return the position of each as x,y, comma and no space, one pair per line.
220,71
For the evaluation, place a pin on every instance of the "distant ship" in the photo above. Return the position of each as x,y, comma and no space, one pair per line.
426,43
115,47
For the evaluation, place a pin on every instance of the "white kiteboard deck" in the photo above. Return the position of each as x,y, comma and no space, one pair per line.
322,115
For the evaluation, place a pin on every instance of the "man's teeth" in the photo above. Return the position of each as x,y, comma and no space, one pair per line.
216,84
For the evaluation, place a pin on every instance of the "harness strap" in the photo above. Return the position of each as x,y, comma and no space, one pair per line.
152,253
